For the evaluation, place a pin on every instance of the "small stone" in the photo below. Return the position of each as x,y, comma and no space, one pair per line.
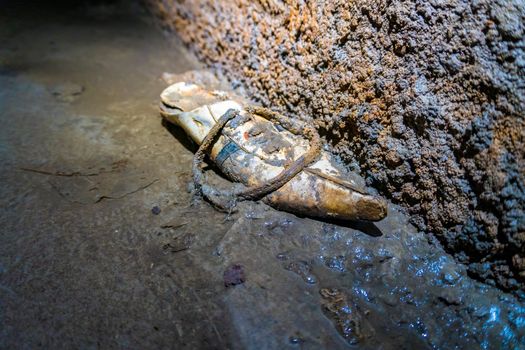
155,210
234,275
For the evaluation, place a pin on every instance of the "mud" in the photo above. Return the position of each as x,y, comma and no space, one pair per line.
102,245
426,97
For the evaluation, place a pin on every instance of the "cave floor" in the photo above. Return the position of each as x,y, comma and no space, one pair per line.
102,245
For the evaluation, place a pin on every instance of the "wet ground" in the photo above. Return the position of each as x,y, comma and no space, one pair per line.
427,96
103,246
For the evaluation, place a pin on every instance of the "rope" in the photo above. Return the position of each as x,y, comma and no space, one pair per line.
254,192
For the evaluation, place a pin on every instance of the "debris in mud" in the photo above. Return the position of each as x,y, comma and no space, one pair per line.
345,314
234,275
303,269
242,140
67,92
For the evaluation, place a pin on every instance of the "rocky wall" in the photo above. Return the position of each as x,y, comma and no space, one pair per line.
426,98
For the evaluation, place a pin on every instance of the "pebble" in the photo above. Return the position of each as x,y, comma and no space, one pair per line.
155,210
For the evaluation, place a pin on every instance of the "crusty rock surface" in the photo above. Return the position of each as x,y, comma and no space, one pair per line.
427,96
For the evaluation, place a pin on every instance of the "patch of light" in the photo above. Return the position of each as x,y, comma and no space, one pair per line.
494,313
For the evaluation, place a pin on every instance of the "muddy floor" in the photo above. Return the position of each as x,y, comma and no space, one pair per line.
428,97
102,244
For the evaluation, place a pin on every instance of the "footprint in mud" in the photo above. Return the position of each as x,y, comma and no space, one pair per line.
300,267
346,315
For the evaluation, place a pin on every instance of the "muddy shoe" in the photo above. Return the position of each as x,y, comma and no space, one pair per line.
279,160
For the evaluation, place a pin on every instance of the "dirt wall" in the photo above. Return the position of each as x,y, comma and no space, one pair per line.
427,97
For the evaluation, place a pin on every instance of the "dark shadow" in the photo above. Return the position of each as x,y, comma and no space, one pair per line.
191,146
180,135
365,227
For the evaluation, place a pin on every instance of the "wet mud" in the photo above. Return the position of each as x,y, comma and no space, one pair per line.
103,245
427,98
